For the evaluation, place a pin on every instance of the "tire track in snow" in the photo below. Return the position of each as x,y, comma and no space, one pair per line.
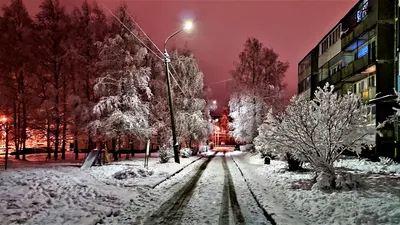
172,210
229,198
266,214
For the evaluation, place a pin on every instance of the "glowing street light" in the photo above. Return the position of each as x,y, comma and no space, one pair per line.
188,25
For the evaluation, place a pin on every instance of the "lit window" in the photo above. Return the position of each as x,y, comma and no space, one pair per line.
362,51
362,11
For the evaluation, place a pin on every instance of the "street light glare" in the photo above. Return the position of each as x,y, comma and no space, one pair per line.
188,25
215,102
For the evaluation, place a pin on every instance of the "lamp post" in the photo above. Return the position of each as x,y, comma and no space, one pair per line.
167,60
5,123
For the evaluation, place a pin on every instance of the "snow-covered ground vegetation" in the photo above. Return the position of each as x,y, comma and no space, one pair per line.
165,153
289,196
318,131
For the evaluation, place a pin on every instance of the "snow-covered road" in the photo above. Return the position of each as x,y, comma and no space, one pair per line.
214,194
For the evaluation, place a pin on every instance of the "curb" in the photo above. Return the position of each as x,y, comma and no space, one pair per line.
176,172
266,214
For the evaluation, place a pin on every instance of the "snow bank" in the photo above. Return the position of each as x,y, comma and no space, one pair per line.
379,204
363,165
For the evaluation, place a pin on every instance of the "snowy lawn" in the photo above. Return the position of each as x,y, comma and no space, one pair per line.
288,196
133,173
69,195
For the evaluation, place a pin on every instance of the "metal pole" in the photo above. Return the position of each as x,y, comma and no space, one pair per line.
167,60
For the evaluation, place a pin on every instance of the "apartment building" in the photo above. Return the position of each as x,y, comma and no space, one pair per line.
360,54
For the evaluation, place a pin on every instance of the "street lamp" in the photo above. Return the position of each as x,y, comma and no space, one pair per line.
167,60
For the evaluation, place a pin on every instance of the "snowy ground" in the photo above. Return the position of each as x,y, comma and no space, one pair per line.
378,203
204,192
69,195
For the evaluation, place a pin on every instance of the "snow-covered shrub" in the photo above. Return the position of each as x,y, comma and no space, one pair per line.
386,160
319,130
165,154
186,152
348,181
247,148
132,173
341,181
266,148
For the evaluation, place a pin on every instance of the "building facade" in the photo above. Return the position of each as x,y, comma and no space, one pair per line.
360,54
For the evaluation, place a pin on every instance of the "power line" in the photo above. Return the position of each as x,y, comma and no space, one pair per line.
221,81
143,42
172,75
130,30
137,24
173,68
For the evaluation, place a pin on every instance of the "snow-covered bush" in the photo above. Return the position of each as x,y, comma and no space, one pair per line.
386,160
342,181
165,154
321,129
186,152
132,173
247,148
263,145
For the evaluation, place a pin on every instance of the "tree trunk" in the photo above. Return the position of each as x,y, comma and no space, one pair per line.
64,134
16,142
24,118
115,155
132,150
48,138
76,149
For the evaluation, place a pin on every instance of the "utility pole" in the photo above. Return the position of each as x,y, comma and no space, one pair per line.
167,60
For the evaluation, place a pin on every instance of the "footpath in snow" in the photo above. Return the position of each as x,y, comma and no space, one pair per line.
68,195
287,197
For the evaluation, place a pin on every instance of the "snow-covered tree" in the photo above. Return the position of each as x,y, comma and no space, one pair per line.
17,67
320,130
123,90
265,130
247,112
191,121
90,25
258,79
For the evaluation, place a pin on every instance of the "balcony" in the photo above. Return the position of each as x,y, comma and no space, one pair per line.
361,63
336,77
367,94
365,25
347,70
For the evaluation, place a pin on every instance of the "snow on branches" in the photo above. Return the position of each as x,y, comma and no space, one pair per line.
123,90
320,130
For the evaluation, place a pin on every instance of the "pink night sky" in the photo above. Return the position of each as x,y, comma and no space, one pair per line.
291,27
